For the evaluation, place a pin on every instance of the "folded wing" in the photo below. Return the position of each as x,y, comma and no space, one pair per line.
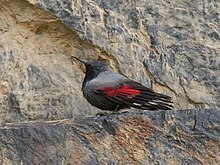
136,95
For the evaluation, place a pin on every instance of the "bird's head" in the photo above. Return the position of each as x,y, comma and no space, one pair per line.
94,68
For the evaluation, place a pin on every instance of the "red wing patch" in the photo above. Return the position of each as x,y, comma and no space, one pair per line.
125,90
135,95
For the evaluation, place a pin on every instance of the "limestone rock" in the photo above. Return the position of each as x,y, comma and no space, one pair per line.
36,71
180,51
160,137
172,47
178,42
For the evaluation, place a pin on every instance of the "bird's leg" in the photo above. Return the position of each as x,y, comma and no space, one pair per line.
117,110
125,112
103,113
106,113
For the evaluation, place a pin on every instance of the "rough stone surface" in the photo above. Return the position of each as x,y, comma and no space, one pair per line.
37,77
170,46
178,42
162,137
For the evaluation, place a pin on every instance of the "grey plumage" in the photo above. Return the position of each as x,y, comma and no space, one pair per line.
109,90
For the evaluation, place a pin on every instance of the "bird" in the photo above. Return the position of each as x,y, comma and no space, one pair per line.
111,91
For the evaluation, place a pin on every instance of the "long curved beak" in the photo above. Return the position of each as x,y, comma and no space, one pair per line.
80,60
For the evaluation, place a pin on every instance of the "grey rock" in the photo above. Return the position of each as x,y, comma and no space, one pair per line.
140,137
172,47
179,40
177,43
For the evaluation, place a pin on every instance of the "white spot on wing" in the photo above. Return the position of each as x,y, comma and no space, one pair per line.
152,103
137,104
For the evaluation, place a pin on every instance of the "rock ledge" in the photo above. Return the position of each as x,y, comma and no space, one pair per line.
138,137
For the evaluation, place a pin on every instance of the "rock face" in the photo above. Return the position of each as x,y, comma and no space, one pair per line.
163,137
172,47
177,43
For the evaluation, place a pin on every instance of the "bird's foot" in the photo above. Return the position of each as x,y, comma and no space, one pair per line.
124,112
119,112
106,113
102,113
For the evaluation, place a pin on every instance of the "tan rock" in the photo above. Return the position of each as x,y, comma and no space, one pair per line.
4,87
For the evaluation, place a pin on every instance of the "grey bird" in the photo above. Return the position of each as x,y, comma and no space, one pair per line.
108,90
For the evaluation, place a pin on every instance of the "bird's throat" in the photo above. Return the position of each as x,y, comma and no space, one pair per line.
90,74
